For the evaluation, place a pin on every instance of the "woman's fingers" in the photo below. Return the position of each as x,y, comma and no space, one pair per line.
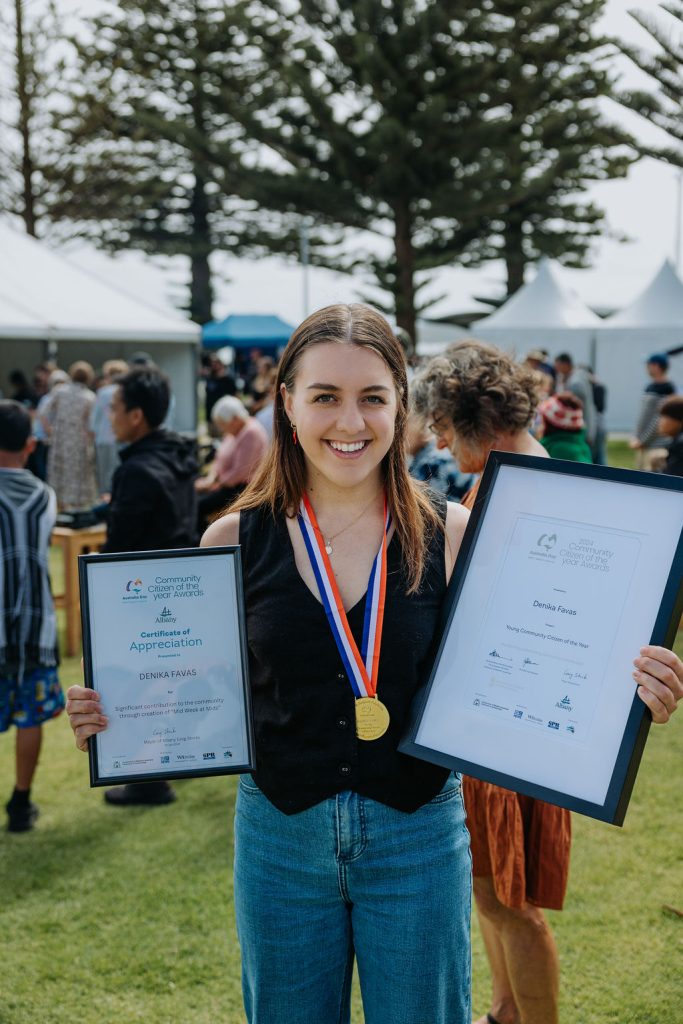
659,674
83,732
82,693
88,718
81,700
660,712
83,707
85,714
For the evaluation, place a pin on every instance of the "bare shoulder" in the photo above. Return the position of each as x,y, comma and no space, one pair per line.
225,531
456,520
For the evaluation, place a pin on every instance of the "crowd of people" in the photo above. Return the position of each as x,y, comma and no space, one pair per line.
367,851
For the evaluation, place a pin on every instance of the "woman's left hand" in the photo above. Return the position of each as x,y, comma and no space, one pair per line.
659,674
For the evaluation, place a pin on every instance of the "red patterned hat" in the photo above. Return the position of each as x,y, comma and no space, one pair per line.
564,411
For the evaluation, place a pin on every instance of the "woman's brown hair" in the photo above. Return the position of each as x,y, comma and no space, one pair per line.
280,482
481,390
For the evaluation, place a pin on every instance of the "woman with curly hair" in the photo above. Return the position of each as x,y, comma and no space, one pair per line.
477,399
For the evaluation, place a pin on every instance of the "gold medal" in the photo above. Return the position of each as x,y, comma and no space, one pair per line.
372,718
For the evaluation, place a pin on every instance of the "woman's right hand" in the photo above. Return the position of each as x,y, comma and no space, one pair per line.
85,714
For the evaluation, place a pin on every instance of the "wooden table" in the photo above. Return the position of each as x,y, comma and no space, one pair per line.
74,543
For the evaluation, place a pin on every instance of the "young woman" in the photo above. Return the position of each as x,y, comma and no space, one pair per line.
343,847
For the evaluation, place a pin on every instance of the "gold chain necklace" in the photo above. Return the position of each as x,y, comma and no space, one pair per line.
327,541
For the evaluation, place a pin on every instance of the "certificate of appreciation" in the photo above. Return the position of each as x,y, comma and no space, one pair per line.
164,645
564,573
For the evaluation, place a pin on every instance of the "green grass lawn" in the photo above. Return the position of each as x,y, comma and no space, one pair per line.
110,916
619,454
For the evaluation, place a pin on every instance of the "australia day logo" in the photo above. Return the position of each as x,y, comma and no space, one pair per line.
544,547
134,591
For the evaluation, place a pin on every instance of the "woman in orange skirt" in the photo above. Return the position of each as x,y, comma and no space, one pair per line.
475,398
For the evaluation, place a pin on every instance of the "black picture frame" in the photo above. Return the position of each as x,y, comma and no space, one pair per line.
86,564
613,808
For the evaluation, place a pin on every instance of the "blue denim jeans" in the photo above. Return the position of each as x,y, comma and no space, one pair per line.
353,877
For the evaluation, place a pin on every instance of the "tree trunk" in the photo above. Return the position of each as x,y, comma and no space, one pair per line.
404,288
201,290
515,260
27,165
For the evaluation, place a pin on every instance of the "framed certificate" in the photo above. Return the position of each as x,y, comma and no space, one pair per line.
164,645
565,571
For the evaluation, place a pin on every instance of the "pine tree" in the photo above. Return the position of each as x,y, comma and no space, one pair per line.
553,69
376,111
30,143
664,107
455,132
140,172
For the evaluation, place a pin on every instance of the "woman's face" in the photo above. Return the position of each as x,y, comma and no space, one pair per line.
344,405
471,457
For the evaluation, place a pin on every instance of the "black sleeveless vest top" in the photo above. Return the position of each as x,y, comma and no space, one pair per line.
306,743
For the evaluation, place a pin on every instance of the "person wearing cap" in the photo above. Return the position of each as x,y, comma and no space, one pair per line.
539,359
647,441
564,432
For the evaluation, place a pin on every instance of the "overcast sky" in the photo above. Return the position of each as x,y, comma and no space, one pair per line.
643,207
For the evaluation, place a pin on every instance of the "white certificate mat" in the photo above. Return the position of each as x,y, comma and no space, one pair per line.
566,571
164,648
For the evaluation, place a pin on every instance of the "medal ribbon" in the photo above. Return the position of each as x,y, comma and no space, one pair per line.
361,666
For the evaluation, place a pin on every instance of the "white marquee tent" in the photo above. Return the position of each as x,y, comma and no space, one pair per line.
653,322
658,307
545,313
46,302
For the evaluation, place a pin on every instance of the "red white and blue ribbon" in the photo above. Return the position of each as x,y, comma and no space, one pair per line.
362,667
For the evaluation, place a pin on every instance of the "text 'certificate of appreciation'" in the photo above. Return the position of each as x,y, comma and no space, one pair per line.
164,643
564,573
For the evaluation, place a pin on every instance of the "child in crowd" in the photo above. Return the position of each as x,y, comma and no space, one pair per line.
30,693
670,424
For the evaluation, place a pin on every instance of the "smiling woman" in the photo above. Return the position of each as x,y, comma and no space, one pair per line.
345,568
339,428
345,422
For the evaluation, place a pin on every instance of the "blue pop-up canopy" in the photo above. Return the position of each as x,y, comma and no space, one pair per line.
247,331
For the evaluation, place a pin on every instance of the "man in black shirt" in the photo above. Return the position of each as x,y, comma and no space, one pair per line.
153,504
